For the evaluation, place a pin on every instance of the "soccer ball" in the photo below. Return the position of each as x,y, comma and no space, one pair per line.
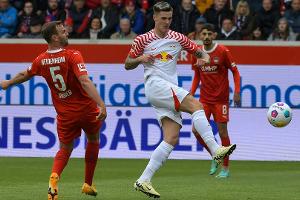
279,114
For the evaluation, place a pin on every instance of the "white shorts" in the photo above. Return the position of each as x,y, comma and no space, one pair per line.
165,97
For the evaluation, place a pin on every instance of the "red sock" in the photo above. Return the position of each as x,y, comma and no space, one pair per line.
201,141
225,143
91,157
61,160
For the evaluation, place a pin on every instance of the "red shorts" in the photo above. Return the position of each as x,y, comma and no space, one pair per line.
69,128
220,112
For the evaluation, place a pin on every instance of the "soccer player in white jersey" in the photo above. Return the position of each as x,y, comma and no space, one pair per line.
158,50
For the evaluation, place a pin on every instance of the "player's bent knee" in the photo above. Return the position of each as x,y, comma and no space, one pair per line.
172,140
93,138
67,146
196,105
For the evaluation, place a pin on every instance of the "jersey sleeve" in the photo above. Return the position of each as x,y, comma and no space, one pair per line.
77,64
230,64
34,69
137,48
187,44
194,60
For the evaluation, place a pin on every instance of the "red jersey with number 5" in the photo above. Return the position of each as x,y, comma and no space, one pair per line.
214,76
61,69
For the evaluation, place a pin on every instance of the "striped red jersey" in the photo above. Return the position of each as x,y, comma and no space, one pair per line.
165,50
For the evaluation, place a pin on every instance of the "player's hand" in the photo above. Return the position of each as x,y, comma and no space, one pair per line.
204,60
102,114
4,84
237,99
147,58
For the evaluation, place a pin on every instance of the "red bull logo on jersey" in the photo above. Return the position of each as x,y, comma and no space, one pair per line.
164,56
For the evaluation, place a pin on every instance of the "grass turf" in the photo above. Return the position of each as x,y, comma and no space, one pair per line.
27,178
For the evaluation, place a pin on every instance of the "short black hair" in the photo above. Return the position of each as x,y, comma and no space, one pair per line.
49,29
162,6
209,27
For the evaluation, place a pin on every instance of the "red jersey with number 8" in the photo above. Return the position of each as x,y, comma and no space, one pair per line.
61,69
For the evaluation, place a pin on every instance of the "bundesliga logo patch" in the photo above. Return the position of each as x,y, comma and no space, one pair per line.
81,67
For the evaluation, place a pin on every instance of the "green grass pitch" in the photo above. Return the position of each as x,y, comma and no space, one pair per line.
27,179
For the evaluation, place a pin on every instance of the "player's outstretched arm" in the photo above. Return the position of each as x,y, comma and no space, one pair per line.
90,89
202,57
21,77
237,86
132,63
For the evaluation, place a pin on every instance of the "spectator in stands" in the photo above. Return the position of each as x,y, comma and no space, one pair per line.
125,30
282,32
42,5
135,16
195,35
68,4
267,17
203,5
94,32
53,12
185,17
255,5
228,31
256,34
293,16
34,29
108,15
244,21
8,19
80,17
217,12
24,18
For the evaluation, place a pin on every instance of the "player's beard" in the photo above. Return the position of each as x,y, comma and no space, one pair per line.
207,42
64,42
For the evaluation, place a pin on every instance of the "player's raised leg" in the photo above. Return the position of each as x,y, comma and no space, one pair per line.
158,157
60,161
223,132
201,124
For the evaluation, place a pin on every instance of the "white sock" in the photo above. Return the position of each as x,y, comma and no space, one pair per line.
158,157
204,129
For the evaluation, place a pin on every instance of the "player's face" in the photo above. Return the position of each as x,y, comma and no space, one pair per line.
163,21
207,37
62,34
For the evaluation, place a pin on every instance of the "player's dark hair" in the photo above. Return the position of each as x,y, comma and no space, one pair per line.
49,29
209,27
162,6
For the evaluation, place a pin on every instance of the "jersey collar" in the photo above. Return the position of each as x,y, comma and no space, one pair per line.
55,51
211,50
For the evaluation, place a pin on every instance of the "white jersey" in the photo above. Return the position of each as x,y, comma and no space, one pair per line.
165,50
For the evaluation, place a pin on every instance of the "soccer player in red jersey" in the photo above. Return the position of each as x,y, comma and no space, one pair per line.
214,93
76,101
